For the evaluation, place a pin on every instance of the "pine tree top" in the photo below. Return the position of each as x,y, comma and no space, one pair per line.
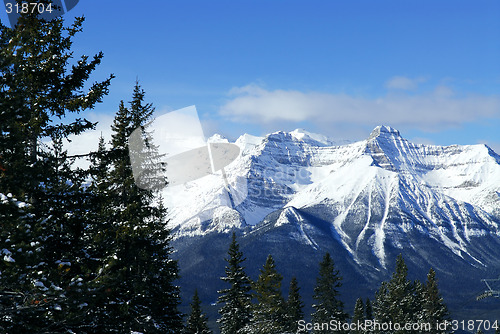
328,306
236,299
268,285
197,321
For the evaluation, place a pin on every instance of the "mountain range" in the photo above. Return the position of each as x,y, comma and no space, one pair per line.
297,195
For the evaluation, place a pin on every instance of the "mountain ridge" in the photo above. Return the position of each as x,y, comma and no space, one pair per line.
364,202
274,169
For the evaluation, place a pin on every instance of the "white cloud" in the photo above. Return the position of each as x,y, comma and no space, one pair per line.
88,141
430,111
404,83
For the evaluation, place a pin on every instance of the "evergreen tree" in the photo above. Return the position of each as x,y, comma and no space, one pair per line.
197,321
368,313
368,310
358,316
37,85
65,273
294,307
43,237
328,306
434,309
382,304
135,289
270,311
16,286
236,300
399,300
99,234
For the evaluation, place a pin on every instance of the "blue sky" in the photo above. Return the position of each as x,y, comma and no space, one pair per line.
428,68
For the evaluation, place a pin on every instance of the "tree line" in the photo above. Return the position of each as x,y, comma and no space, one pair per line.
259,306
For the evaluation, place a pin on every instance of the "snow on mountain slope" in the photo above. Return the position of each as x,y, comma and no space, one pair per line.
262,179
447,193
376,192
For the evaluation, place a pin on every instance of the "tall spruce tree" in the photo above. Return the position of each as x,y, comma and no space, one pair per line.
434,309
63,230
294,307
368,310
368,313
100,236
40,85
399,300
197,321
236,300
269,314
327,304
135,288
358,316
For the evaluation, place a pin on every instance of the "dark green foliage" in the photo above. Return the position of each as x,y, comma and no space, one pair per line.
398,300
368,309
43,232
434,308
197,321
236,300
37,86
135,287
395,299
269,312
368,314
328,306
358,316
402,301
98,234
294,307
17,293
65,272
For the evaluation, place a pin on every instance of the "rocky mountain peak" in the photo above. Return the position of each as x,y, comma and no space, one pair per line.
384,145
384,131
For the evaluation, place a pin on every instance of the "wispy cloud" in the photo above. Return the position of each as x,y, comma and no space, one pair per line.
404,83
431,111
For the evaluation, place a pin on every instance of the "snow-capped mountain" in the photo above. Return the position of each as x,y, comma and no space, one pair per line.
450,193
299,194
